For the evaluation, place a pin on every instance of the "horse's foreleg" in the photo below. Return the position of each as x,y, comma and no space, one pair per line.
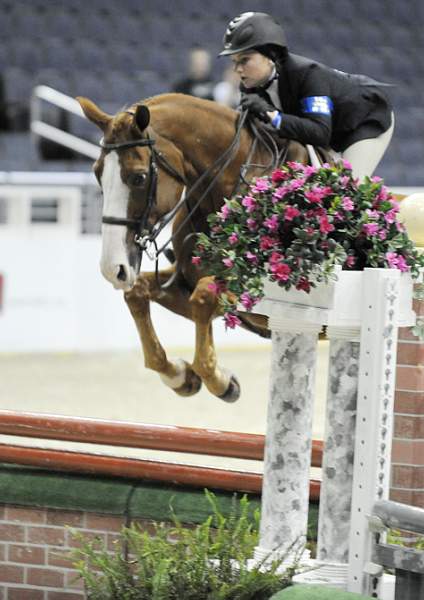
178,374
204,306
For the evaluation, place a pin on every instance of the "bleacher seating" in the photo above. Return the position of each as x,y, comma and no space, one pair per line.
119,52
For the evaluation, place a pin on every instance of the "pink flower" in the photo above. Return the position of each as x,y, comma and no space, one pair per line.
316,194
279,175
267,242
346,164
249,203
251,224
231,321
261,185
383,193
382,234
228,262
376,179
395,204
396,261
196,260
233,239
350,261
303,284
272,223
373,214
324,225
279,193
290,213
280,271
370,228
275,258
309,170
248,301
400,226
252,258
217,287
296,166
390,216
347,203
344,180
225,212
295,184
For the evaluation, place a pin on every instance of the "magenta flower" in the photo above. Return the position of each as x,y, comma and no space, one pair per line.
303,284
217,287
346,164
376,179
295,185
248,301
271,223
275,258
267,242
347,203
252,258
344,180
225,212
228,262
279,193
370,228
249,203
233,239
290,213
316,194
251,224
279,175
296,166
350,261
231,321
261,185
396,261
382,234
324,225
309,170
390,216
196,260
383,194
281,271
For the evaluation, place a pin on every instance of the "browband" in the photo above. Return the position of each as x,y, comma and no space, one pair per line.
131,144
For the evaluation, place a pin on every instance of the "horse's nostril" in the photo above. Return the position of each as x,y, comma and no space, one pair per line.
122,274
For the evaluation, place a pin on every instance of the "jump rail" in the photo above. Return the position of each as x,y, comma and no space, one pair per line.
135,435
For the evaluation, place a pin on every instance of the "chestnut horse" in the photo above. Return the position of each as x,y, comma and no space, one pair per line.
155,157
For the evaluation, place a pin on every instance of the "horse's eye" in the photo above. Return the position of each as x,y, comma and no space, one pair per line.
137,179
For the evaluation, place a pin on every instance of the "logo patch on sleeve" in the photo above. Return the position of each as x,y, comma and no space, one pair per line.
318,105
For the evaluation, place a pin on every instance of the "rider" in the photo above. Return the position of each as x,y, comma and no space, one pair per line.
305,100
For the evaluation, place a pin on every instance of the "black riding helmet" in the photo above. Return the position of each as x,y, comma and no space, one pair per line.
255,30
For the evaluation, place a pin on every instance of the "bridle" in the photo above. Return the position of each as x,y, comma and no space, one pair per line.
146,235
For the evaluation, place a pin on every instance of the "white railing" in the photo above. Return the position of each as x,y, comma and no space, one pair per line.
39,127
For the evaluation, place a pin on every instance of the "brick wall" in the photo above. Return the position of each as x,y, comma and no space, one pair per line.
408,435
33,547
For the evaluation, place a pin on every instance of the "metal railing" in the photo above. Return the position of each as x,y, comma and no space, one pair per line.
41,128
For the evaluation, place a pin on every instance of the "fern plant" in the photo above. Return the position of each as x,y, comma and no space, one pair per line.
209,562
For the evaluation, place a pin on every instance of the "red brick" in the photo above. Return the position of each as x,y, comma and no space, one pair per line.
34,555
11,574
12,533
65,596
89,536
103,522
410,378
57,557
25,514
45,577
2,554
413,498
404,476
52,536
3,593
65,517
408,452
410,427
410,353
409,402
405,333
2,514
73,580
21,594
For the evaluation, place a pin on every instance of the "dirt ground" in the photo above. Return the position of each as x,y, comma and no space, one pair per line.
116,386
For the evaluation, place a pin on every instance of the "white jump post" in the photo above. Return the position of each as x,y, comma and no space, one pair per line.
362,311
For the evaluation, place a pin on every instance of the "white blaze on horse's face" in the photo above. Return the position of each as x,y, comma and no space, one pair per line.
114,263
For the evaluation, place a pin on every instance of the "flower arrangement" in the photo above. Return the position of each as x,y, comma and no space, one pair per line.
295,226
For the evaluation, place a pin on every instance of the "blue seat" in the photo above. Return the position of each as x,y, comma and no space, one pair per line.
58,53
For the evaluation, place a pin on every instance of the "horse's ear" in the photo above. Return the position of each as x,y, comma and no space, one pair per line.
94,113
142,117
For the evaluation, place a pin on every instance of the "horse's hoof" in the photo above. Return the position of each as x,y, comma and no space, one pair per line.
191,385
232,393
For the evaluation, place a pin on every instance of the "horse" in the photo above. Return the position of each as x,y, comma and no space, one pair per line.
161,159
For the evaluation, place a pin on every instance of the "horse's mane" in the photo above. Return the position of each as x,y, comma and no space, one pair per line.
177,101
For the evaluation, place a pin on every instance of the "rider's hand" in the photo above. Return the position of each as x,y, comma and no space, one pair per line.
257,106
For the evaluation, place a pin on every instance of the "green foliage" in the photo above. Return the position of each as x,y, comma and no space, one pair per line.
209,562
397,538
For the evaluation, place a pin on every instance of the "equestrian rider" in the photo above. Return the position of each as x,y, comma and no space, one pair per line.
305,100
